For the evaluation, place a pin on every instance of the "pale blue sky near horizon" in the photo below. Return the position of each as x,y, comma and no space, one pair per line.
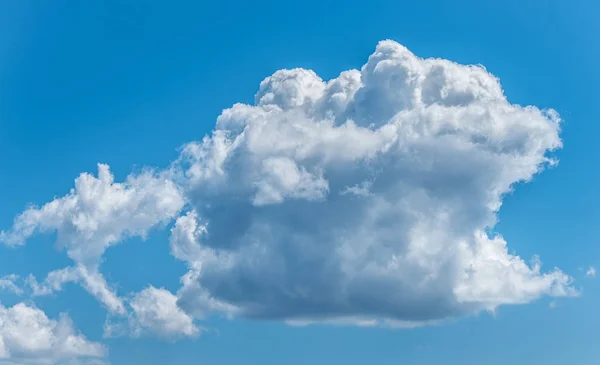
128,83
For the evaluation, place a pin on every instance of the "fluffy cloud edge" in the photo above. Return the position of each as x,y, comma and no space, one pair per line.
154,313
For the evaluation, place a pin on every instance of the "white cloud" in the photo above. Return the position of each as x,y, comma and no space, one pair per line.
99,213
95,215
369,199
9,283
54,282
591,272
363,198
154,313
88,277
28,336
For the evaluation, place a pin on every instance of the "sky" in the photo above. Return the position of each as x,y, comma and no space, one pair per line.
315,182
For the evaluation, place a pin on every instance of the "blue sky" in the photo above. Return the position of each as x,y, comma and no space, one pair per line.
128,85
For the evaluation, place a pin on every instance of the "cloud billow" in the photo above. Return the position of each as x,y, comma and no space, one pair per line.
366,197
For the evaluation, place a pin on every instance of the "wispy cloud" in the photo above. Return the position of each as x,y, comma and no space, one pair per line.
590,272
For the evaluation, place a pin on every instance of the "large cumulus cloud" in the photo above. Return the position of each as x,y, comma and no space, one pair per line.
368,198
371,196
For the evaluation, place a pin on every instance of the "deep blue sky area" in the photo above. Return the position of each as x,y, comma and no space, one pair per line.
127,83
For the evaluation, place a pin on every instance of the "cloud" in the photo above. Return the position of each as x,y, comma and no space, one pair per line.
590,272
54,282
28,336
99,213
369,197
96,214
89,278
9,283
155,313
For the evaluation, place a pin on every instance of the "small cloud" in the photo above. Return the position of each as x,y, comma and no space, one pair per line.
590,272
154,311
362,189
9,283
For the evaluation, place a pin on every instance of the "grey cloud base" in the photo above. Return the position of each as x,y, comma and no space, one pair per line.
365,199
